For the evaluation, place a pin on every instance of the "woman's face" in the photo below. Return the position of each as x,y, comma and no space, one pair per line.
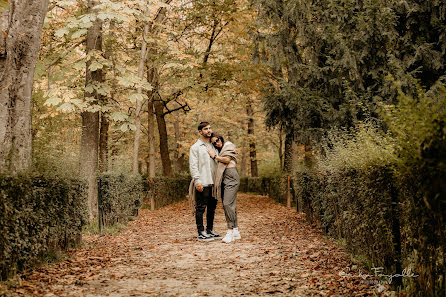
216,142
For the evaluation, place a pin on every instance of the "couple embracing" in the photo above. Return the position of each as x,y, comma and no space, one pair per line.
212,163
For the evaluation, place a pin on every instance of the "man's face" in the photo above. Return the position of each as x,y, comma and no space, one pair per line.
206,131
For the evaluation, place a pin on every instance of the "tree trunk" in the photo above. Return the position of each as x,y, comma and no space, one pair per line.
21,29
252,141
142,63
308,157
281,148
151,77
104,121
90,120
164,145
288,162
151,136
180,163
176,155
103,143
243,167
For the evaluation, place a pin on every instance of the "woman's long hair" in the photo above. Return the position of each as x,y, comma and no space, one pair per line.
219,136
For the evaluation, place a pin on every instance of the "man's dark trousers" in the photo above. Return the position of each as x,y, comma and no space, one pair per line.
204,199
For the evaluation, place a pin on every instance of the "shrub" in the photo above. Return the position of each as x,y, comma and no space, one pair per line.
274,187
385,193
361,147
166,191
38,214
419,128
120,196
357,206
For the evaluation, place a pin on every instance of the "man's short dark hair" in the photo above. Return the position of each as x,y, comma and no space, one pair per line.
202,125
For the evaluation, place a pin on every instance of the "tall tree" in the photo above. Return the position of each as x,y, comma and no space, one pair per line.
164,145
104,115
328,73
155,102
21,28
288,154
90,118
281,148
151,123
177,156
103,142
252,139
141,67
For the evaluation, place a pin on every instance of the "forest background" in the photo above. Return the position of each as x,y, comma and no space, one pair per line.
325,87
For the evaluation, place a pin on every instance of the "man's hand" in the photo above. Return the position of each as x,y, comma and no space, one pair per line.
199,187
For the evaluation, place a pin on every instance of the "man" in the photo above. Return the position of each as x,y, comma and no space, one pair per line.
202,168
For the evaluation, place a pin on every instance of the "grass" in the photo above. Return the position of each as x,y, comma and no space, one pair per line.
51,256
93,228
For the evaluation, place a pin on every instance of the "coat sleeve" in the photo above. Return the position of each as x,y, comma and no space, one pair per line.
193,165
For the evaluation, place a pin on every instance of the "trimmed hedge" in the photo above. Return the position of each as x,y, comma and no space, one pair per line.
120,196
358,207
38,214
385,221
166,190
274,186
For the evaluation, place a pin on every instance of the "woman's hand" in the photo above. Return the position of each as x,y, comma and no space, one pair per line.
211,153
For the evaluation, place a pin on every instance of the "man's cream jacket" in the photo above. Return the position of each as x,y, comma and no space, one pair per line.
201,165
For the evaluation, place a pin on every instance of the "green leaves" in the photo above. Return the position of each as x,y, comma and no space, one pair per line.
95,66
61,32
129,80
53,101
137,97
119,116
79,33
127,126
67,107
53,97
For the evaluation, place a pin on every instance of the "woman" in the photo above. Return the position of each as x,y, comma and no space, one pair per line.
226,183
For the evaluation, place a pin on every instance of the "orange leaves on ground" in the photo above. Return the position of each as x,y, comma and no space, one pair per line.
158,253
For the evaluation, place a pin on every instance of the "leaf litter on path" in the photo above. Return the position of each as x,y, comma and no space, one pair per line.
158,255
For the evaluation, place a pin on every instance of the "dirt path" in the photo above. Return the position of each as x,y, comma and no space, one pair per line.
158,255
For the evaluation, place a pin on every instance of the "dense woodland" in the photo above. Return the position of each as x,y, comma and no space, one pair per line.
337,88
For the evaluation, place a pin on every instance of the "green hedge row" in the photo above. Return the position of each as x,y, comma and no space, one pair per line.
276,187
384,221
119,197
359,207
165,191
38,214
356,206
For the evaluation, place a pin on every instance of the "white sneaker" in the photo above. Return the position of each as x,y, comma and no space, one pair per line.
228,237
236,234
